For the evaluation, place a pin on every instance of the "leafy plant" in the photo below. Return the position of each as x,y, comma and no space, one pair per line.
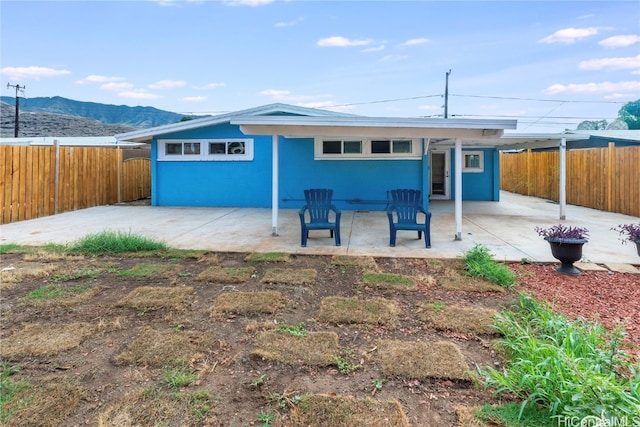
345,363
438,305
296,330
480,263
631,232
378,383
571,368
563,232
266,418
259,382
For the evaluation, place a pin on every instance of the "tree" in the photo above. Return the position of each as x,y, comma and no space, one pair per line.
630,114
592,125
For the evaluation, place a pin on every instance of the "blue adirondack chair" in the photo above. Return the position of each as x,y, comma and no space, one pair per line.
319,208
407,204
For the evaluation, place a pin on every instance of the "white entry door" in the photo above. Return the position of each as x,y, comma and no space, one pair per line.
439,165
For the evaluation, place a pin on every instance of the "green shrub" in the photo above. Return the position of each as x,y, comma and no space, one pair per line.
478,262
571,368
110,242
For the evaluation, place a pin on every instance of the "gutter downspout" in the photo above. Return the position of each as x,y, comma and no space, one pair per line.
458,189
274,185
563,179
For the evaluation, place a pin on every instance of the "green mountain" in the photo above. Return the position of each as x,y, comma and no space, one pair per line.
136,117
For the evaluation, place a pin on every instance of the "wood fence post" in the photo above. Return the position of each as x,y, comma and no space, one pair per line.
529,180
56,179
119,169
609,176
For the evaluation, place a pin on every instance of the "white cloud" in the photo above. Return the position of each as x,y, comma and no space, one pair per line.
373,49
607,88
339,41
166,3
138,94
213,85
99,79
167,84
35,73
289,23
609,64
116,87
275,93
393,58
251,3
571,35
414,42
194,98
620,41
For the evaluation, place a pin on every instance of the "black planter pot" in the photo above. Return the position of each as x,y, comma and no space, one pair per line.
567,251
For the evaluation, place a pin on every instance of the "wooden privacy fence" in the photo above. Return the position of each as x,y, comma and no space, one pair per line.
601,178
37,181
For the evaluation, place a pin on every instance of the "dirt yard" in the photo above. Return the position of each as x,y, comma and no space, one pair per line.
223,339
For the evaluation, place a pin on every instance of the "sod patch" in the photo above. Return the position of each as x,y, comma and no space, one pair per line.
44,406
151,269
315,349
10,275
248,303
460,319
290,276
334,410
420,360
268,257
396,282
147,298
362,262
220,274
160,348
44,340
157,406
454,280
354,310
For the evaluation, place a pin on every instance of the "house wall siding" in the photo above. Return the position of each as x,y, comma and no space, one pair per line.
479,185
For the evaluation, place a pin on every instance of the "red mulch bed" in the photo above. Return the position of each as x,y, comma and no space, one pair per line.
605,296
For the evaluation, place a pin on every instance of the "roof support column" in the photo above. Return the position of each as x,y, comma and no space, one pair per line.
458,189
274,184
563,179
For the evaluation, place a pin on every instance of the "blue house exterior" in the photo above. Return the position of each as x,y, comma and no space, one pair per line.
217,161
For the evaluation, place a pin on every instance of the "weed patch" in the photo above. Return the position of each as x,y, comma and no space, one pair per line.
452,279
115,242
479,262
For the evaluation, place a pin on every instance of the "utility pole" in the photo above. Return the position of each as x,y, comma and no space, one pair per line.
17,123
446,95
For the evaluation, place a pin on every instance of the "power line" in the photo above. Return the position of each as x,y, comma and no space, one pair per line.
541,100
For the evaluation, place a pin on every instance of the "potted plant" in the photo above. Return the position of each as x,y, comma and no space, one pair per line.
631,233
566,245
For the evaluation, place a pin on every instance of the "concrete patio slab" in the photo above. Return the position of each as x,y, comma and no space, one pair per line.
506,228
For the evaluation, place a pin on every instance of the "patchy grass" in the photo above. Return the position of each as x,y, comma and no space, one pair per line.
362,262
167,348
314,349
268,257
377,311
389,281
248,303
66,295
219,274
457,318
114,242
336,410
420,360
148,298
159,406
44,340
10,386
290,276
45,405
89,273
22,271
6,248
152,270
508,415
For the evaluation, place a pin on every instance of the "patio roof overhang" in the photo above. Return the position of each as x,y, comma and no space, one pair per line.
455,131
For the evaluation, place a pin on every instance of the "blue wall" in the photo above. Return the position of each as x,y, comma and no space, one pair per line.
479,185
357,184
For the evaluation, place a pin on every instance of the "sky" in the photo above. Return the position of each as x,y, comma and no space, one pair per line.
548,64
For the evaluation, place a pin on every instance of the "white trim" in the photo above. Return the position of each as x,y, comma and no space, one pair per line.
204,155
480,155
446,177
366,154
458,197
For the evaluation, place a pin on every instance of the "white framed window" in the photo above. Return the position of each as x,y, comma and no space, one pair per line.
205,149
349,148
472,161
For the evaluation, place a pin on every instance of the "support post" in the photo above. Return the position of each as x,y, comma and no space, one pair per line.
274,185
563,179
458,198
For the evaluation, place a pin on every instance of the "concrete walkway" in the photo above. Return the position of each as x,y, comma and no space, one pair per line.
507,228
